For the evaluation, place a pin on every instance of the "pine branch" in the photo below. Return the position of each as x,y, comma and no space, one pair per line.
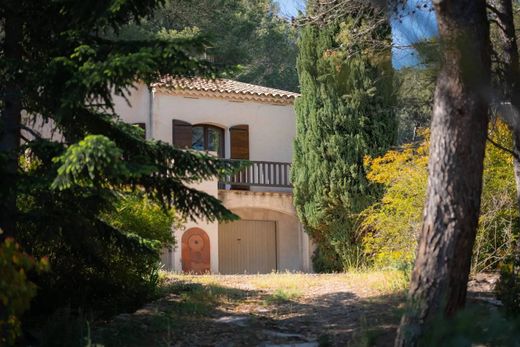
499,146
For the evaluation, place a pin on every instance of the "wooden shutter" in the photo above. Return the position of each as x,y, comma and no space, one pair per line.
181,134
239,141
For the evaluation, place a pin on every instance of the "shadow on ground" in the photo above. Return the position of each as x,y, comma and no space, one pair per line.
193,314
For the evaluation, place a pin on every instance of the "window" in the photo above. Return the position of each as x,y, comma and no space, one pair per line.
208,138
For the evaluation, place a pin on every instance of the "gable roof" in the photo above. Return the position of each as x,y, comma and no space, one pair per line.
224,89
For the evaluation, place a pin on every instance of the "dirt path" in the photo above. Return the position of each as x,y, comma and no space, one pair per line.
355,309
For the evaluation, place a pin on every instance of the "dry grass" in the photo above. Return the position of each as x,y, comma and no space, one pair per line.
315,306
381,282
357,308
294,285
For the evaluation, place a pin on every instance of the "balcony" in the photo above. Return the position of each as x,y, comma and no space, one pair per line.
261,174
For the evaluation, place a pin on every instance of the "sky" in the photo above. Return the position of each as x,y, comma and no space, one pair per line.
289,8
419,25
413,27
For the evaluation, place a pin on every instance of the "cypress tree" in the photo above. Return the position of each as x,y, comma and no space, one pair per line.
345,113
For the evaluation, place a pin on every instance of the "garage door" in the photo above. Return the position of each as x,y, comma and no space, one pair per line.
247,246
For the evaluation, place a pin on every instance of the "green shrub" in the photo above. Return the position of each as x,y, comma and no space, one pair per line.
103,245
491,328
137,214
390,227
16,291
508,286
325,259
108,266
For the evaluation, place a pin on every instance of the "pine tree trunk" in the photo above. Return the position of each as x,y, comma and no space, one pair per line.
511,73
10,120
458,137
508,49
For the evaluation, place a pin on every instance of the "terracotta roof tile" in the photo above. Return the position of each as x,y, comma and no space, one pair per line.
225,88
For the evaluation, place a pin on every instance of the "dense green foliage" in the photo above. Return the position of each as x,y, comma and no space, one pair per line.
68,192
391,226
136,213
508,287
345,113
474,326
103,244
414,101
249,35
16,291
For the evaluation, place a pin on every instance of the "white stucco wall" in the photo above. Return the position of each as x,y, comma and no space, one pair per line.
135,108
211,228
271,127
271,133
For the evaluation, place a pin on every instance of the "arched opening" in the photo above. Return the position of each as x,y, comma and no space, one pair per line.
195,251
206,137
202,137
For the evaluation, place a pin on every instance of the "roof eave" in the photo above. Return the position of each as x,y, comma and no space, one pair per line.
231,96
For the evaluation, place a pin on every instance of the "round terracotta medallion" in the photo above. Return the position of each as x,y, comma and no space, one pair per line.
195,251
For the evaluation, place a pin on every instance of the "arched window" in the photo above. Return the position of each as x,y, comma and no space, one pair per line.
208,138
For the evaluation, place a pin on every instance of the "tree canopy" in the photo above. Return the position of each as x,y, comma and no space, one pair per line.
250,36
59,65
345,113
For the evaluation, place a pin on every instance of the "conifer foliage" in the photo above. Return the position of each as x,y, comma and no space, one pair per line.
250,35
345,113
58,63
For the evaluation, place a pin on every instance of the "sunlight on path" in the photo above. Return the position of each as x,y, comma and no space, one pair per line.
264,310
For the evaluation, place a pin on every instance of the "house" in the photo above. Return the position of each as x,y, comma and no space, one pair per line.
232,120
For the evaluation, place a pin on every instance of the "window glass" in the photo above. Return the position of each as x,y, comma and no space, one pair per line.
214,140
197,138
208,138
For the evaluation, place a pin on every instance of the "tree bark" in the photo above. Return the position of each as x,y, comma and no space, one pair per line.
507,47
10,122
458,137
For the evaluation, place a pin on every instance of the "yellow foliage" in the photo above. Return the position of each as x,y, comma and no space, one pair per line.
390,227
498,213
16,290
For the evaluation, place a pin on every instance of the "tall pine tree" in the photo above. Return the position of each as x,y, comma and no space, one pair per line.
346,112
58,63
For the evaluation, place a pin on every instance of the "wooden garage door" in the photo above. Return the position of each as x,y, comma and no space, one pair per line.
247,246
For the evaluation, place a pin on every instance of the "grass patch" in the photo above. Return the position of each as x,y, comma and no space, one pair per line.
295,283
183,304
199,299
382,282
281,296
156,330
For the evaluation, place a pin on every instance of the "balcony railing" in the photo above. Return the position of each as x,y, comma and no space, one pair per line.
263,174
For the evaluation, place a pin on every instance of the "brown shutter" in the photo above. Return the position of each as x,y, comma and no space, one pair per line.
239,141
181,134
